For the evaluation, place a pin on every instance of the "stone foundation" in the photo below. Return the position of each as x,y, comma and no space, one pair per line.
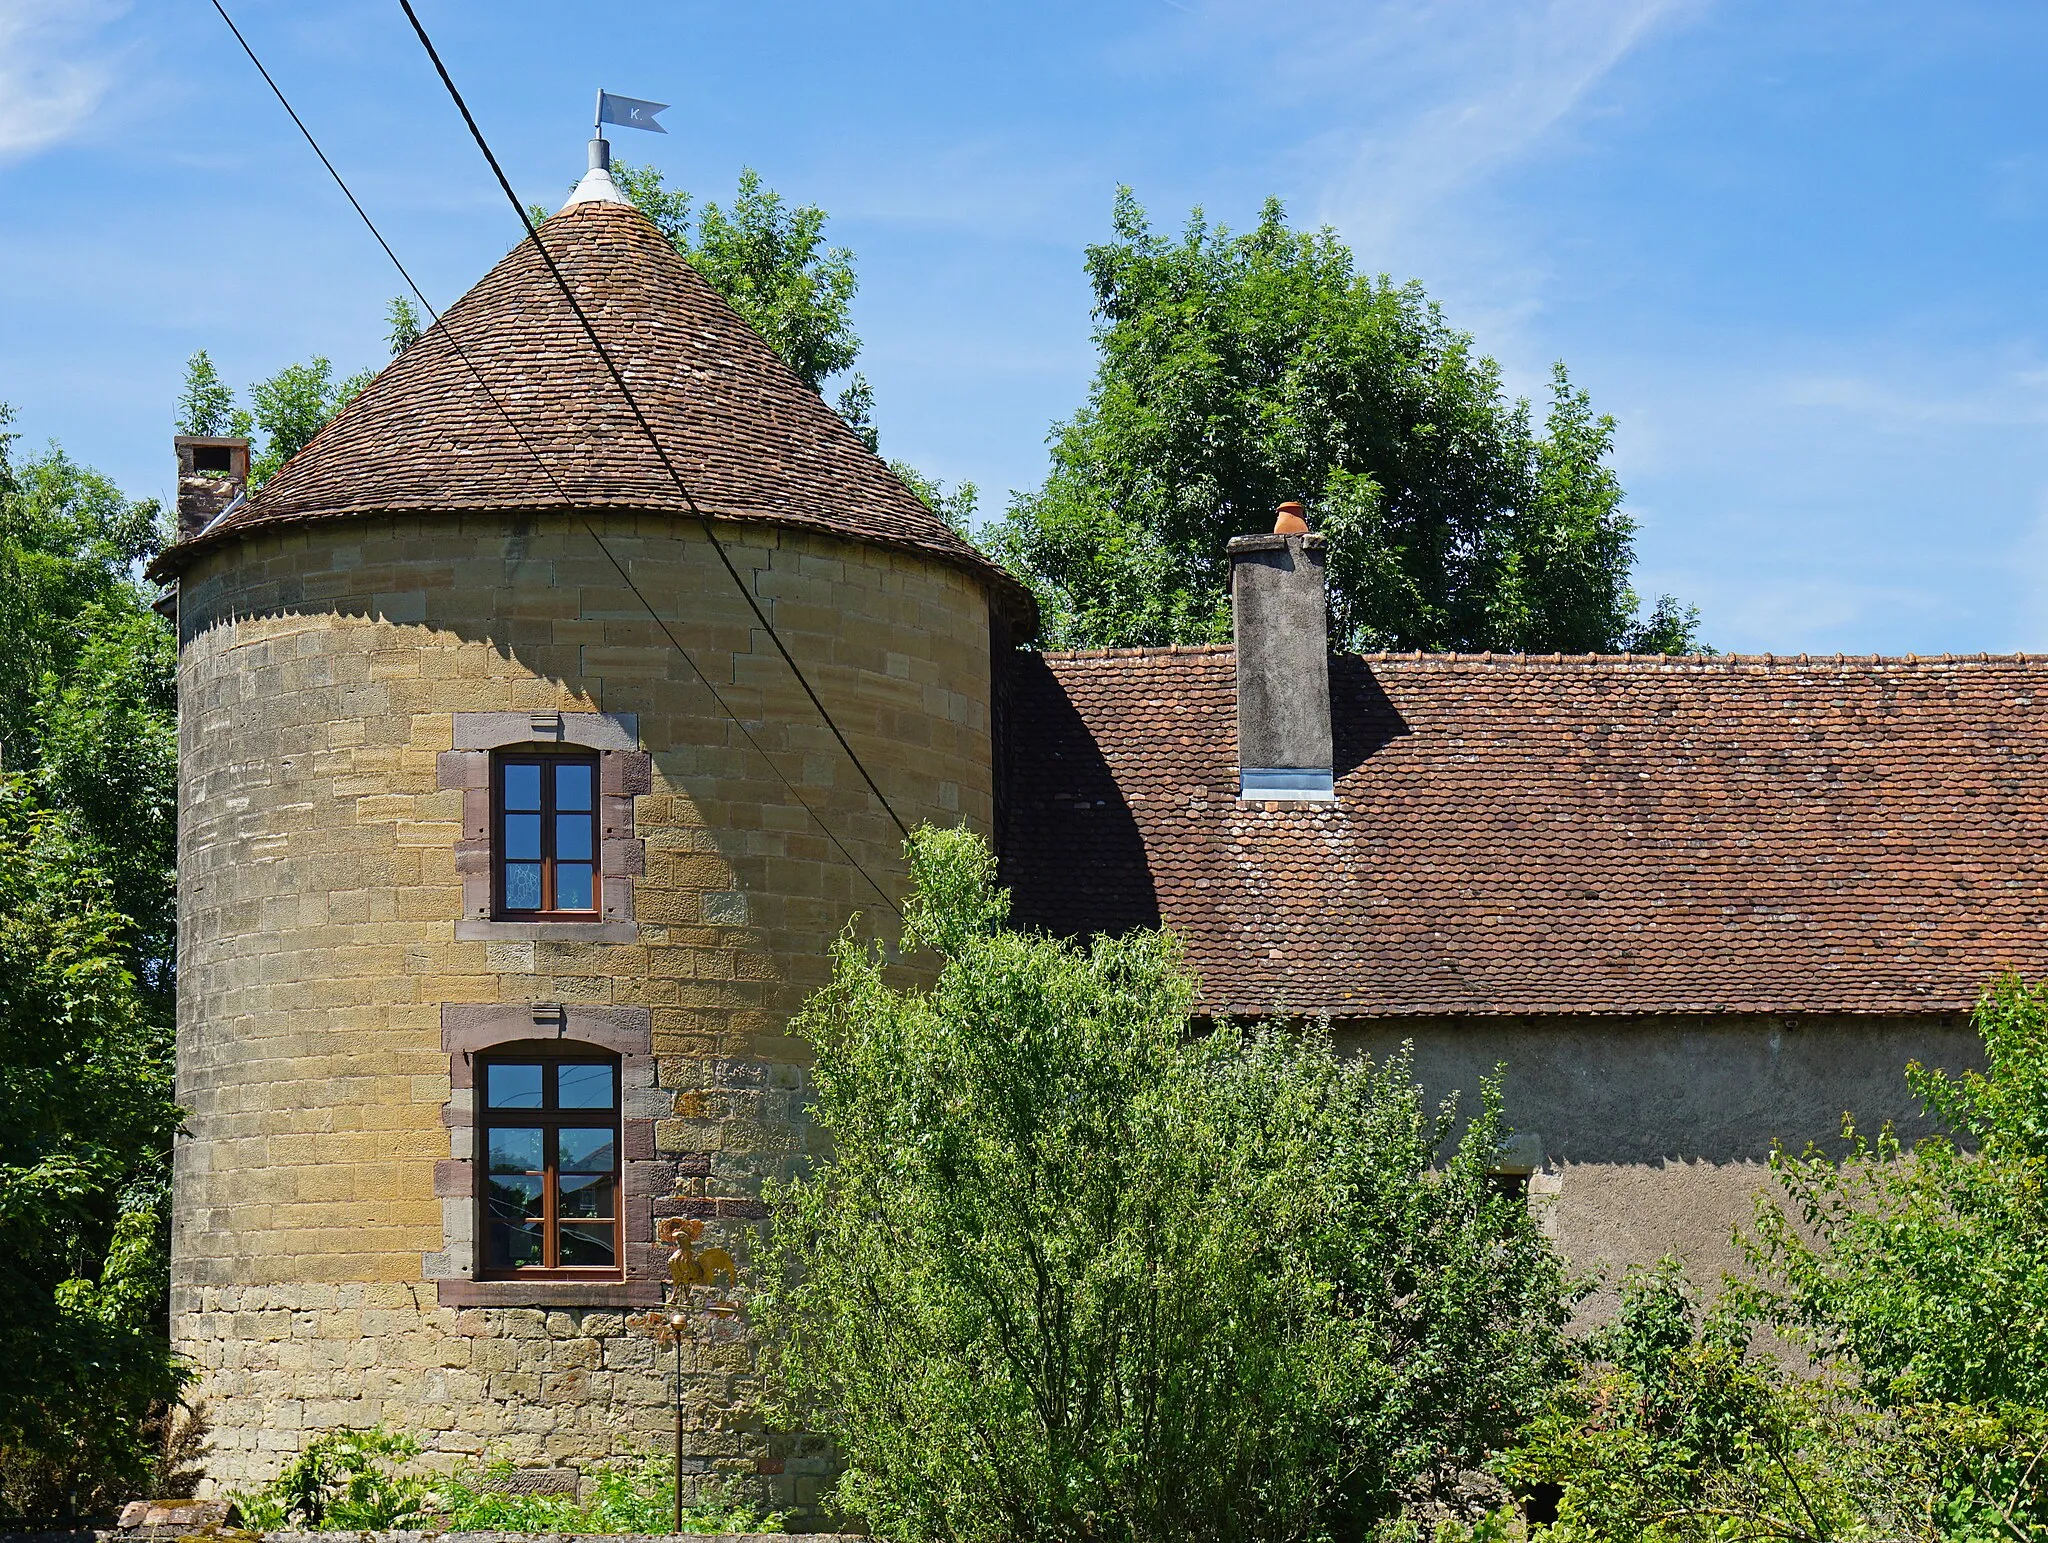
560,1389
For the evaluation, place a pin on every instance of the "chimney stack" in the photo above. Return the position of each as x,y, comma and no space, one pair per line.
213,471
1283,663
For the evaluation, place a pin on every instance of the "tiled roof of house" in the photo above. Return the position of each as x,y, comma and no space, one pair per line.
750,439
1528,835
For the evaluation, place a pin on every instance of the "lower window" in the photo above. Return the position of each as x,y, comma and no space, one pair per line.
548,1130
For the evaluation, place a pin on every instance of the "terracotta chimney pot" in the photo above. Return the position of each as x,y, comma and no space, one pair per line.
1290,521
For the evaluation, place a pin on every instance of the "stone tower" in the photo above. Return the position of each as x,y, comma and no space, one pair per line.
498,883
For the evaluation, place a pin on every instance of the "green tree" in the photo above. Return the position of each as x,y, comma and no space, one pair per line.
207,404
87,704
770,262
292,406
1070,1271
955,508
86,1120
404,323
1239,370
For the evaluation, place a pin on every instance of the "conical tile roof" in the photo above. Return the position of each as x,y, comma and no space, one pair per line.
749,439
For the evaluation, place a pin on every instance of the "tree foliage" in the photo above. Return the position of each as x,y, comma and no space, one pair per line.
86,1120
1069,1272
1919,1280
1240,370
1927,1272
770,262
87,708
1682,1433
87,852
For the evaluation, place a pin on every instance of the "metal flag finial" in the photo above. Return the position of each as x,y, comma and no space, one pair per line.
629,112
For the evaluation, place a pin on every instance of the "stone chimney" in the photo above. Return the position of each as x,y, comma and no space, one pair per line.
212,473
1283,663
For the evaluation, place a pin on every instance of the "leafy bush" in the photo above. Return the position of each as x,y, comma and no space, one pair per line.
1920,1281
1681,1434
626,1497
1071,1271
348,1480
345,1480
1928,1273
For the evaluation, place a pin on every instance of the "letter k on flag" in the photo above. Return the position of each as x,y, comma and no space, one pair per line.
629,111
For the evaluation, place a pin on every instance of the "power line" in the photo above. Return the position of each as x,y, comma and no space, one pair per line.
660,450
568,502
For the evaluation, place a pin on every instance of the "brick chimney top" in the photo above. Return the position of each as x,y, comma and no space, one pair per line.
213,471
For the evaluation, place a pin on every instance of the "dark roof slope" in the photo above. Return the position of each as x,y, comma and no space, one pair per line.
1522,835
751,441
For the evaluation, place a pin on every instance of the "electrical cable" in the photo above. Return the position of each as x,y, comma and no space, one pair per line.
568,503
653,439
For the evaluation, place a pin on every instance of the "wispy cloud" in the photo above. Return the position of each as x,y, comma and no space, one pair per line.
49,84
1422,103
1453,91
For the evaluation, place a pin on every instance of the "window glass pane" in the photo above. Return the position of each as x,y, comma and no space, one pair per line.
586,1150
585,1194
513,1151
512,1087
587,1243
572,887
514,1248
584,1085
522,886
522,786
572,837
572,785
522,837
514,1210
515,1198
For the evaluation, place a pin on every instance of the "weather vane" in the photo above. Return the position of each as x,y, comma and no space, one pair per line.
692,1270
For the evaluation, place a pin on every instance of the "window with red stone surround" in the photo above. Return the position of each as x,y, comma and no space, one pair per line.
547,1155
480,1035
484,743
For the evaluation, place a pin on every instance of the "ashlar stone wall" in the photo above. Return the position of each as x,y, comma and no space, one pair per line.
322,672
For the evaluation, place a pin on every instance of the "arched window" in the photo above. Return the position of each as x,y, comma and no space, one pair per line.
548,1165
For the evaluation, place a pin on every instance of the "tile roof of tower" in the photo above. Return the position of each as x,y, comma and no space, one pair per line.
1527,835
750,440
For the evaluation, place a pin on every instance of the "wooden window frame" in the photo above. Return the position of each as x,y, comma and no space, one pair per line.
550,1120
546,759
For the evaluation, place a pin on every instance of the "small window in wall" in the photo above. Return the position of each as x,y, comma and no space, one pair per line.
548,1130
544,844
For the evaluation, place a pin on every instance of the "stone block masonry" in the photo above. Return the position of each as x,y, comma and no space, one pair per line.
328,828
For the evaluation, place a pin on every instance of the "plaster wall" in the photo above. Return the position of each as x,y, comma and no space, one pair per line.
321,673
1652,1136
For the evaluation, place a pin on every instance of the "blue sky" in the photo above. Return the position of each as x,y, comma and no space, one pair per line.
1794,246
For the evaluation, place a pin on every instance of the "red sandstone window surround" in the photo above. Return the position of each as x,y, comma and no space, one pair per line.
545,837
548,1148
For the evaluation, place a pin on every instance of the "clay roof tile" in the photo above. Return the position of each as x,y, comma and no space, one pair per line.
750,440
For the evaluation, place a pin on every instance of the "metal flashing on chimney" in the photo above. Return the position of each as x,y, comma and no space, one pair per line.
1282,784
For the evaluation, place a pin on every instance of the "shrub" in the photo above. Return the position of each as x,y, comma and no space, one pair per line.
1927,1273
1920,1281
344,1480
626,1497
1074,1272
348,1481
1680,1433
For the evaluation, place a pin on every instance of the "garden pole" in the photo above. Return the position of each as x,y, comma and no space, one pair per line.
676,1323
